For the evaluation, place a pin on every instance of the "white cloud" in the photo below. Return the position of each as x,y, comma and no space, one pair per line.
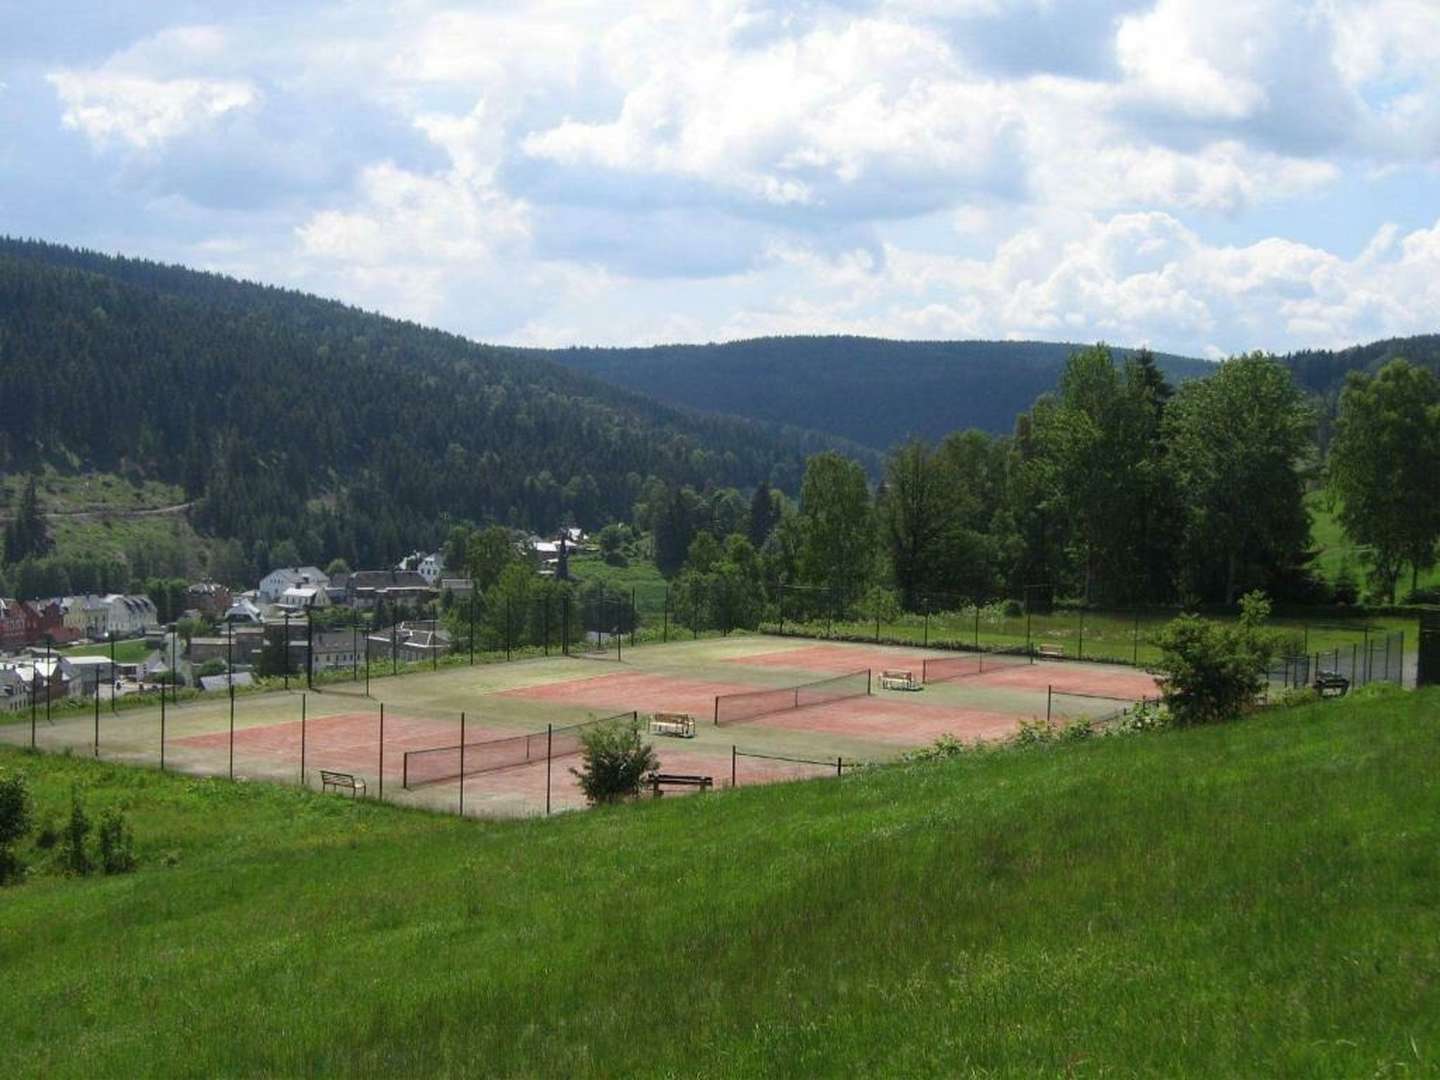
140,112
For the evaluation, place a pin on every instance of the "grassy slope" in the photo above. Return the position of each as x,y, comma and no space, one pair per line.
640,574
1335,548
1253,899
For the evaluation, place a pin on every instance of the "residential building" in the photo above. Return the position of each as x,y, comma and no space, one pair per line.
87,616
241,646
14,625
131,616
243,611
431,567
90,672
368,586
333,650
409,642
274,584
209,598
304,597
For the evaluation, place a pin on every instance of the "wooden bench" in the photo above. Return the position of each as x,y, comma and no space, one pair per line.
1331,684
663,780
680,725
897,679
1051,652
341,781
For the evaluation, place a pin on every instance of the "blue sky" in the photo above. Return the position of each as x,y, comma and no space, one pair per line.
1203,176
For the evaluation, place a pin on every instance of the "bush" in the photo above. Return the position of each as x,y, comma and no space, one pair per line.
1215,671
17,813
1145,717
117,843
944,748
73,856
211,667
615,760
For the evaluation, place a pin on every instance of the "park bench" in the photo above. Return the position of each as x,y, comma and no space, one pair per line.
680,725
663,780
1331,684
1051,652
341,781
896,679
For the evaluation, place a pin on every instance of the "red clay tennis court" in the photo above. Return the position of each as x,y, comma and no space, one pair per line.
833,659
633,690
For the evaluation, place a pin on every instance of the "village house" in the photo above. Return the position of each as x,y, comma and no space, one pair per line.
273,585
369,586
131,616
88,616
209,598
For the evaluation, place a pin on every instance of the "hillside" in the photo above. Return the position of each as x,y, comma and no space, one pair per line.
1254,899
286,416
874,391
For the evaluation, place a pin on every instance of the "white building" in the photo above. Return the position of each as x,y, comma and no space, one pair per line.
301,597
431,568
88,616
273,585
243,611
130,615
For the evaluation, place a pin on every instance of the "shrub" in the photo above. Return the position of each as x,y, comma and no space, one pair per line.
117,843
1143,718
73,856
944,748
615,760
211,667
1215,671
47,835
17,813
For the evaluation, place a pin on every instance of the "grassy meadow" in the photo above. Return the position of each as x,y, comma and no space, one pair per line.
1253,899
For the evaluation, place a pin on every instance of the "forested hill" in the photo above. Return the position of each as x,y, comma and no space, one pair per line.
287,416
874,391
1322,371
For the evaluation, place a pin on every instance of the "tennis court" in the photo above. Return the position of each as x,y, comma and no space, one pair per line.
785,709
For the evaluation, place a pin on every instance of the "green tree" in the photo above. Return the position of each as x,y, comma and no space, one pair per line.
1385,468
917,512
1238,441
27,535
675,524
1215,671
614,762
611,540
336,567
839,538
490,552
17,815
763,515
73,855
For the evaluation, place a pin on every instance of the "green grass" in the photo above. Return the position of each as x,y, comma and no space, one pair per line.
1336,552
1257,899
68,492
130,651
640,574
1098,635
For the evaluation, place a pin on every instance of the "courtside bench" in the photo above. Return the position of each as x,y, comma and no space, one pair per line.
1050,652
680,725
341,781
1331,684
894,679
659,781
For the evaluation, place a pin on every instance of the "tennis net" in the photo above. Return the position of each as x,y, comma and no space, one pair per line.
747,705
944,668
437,764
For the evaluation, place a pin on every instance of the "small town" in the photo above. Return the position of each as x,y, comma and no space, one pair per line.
63,648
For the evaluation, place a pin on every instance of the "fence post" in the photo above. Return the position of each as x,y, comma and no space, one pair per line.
113,669
549,737
1080,652
367,663
634,616
232,731
462,764
782,610
1400,674
1028,647
927,622
381,770
839,766
565,620
666,616
472,622
1135,641
302,740
97,712
309,650
394,647
1049,697
162,724
34,687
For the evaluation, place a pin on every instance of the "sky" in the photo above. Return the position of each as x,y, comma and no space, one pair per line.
1203,176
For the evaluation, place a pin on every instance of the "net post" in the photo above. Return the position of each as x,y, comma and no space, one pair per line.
717,710
868,690
839,766
462,764
733,755
549,754
381,770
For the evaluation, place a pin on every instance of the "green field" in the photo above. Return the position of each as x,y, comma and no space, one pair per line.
639,575
130,651
1091,635
1336,552
1256,899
